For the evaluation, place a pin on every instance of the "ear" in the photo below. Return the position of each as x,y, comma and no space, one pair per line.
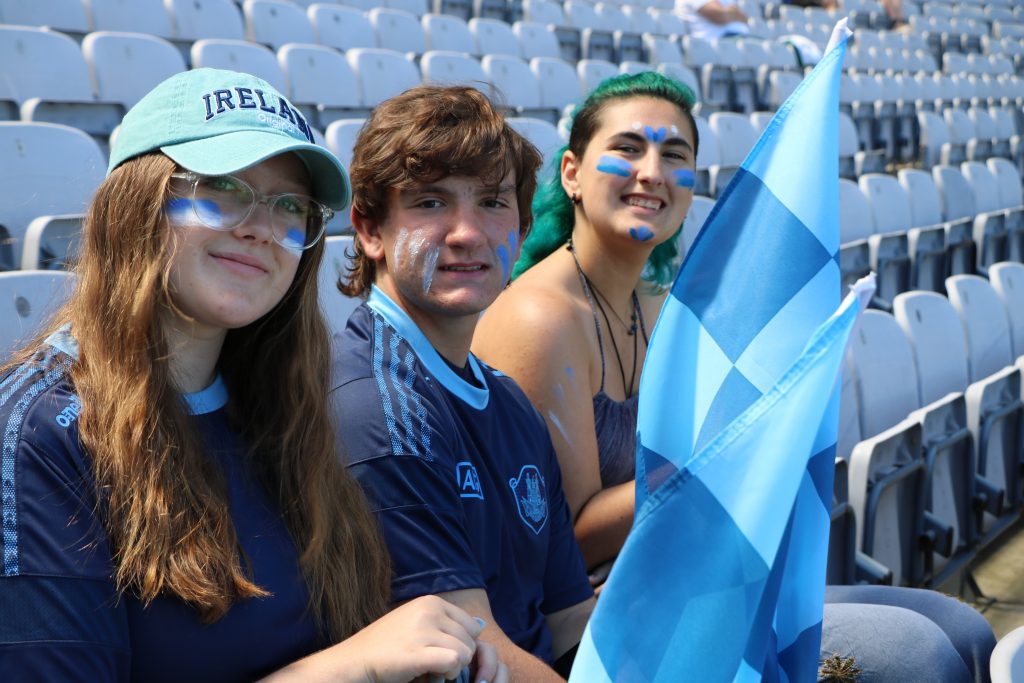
570,170
369,236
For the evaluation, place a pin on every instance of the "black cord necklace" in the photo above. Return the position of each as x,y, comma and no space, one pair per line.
635,314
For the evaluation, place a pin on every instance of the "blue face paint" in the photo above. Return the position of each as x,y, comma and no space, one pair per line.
513,241
615,166
641,234
684,177
503,257
655,136
186,211
294,240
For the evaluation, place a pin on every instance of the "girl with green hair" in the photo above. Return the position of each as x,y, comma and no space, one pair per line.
572,328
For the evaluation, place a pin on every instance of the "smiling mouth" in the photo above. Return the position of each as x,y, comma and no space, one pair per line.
645,203
462,269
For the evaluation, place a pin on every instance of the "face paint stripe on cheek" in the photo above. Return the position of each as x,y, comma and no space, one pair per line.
429,264
615,166
183,211
503,257
294,241
684,177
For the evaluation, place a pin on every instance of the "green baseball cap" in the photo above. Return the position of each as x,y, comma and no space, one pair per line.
217,122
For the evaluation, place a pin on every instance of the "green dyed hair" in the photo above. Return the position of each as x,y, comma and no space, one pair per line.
553,211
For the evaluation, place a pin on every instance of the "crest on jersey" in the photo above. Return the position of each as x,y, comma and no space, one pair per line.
469,480
531,497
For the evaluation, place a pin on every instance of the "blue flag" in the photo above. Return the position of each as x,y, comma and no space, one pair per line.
722,577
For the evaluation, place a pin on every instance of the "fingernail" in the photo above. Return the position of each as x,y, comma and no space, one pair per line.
483,624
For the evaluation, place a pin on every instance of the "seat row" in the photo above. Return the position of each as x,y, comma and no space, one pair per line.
930,428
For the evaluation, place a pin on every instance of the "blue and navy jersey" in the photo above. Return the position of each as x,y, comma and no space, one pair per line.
61,616
462,475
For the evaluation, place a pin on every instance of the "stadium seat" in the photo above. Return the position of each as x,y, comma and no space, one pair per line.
1006,664
926,214
698,214
276,22
559,84
935,143
545,138
595,41
443,32
340,137
852,161
343,28
417,8
463,9
337,259
535,40
959,210
321,83
592,71
862,250
990,220
136,16
551,16
942,367
708,159
239,55
452,68
126,66
633,67
715,78
46,76
497,9
48,169
382,73
781,85
1006,134
685,75
1007,279
515,86
736,137
67,16
195,20
641,21
661,50
963,136
52,242
27,299
493,37
398,30
1011,198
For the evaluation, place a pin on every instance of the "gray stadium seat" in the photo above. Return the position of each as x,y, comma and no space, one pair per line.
320,82
708,159
535,40
382,73
493,37
336,306
1007,279
698,214
398,30
545,138
559,84
276,23
990,219
515,86
443,32
343,28
958,209
52,242
452,68
63,15
48,169
416,8
736,137
239,55
207,19
136,16
27,299
126,66
592,71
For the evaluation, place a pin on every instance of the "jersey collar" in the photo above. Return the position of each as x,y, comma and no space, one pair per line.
476,396
208,400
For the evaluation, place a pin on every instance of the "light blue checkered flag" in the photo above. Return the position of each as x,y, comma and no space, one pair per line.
723,575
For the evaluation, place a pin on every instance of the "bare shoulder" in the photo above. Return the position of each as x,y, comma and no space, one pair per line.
650,304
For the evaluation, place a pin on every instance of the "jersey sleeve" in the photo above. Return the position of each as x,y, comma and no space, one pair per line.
403,460
565,577
62,619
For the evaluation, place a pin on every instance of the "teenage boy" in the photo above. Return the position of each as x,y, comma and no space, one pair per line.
451,454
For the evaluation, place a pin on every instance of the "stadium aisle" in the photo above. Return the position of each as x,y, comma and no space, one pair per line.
999,577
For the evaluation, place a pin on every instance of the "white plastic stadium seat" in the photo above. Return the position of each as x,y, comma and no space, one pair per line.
63,15
493,37
544,137
343,28
276,22
196,19
382,73
138,16
126,66
1007,662
48,169
592,71
416,8
442,67
336,306
239,55
321,79
535,40
1007,280
513,83
52,242
559,84
698,214
958,210
990,220
27,299
398,30
443,32
340,138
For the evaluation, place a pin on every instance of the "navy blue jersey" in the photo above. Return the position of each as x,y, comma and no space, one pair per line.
61,617
462,475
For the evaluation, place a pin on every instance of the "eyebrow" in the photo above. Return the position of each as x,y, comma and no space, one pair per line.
489,191
636,137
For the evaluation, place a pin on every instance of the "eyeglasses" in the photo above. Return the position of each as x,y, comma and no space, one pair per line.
223,202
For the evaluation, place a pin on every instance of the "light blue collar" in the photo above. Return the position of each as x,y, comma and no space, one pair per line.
213,397
63,341
475,396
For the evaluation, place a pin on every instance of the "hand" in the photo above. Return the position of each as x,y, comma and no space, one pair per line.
599,575
426,636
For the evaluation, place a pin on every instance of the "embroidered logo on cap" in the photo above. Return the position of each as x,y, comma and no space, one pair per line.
276,112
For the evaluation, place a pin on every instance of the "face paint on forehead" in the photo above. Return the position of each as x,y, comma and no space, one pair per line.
187,212
641,233
655,135
614,166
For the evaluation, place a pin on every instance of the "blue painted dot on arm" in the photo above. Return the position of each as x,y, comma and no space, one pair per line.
641,233
684,177
615,166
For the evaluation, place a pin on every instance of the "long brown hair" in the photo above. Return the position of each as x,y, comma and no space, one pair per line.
426,133
164,502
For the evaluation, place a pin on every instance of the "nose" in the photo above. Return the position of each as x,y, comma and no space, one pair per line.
466,230
649,167
257,225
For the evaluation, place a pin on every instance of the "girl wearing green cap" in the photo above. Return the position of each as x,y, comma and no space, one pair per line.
173,506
